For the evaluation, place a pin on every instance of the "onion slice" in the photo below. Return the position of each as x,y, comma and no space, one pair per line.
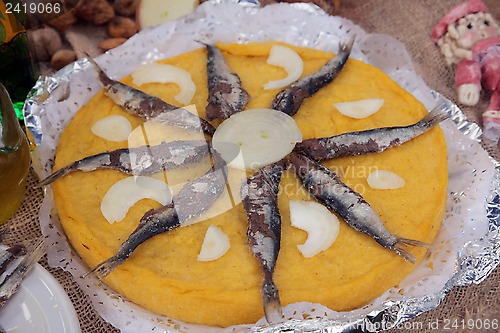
360,109
291,62
127,192
263,136
112,128
164,73
321,225
215,244
385,180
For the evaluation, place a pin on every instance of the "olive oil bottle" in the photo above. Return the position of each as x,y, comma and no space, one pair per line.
14,158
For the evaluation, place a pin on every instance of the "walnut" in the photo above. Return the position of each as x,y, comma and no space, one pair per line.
62,58
122,27
125,7
45,42
111,43
96,12
63,21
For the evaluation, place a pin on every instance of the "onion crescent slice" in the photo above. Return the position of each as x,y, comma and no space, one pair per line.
164,73
126,192
291,62
321,225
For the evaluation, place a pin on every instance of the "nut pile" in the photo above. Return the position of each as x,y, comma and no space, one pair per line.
120,19
116,16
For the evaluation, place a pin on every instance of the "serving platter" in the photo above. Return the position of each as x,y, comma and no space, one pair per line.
465,243
41,305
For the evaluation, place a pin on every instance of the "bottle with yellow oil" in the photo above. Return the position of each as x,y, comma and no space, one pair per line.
14,158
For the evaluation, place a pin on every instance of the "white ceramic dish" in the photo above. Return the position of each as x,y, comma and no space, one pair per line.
41,305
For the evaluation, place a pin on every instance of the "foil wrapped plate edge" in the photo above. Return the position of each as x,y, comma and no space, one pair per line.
475,261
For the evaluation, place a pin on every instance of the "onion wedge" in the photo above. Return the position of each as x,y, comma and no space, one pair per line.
360,109
385,180
112,128
164,73
321,225
215,244
291,62
264,136
125,193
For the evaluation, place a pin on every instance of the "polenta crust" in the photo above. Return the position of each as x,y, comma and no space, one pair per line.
163,274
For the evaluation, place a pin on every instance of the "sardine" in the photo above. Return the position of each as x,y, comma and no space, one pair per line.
143,160
193,199
10,254
373,140
10,285
226,96
290,99
147,107
260,199
326,187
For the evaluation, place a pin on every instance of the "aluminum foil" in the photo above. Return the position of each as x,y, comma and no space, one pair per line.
465,251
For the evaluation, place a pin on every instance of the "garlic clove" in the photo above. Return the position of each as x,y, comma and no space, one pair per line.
127,192
321,225
385,180
215,244
112,128
360,109
291,62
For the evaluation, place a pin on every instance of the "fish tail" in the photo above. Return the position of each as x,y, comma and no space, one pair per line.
35,253
104,268
439,113
271,302
56,175
105,79
400,249
346,46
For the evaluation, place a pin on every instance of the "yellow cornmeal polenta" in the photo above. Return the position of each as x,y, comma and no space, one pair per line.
163,274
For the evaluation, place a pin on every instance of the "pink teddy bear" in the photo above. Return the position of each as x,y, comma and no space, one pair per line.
469,36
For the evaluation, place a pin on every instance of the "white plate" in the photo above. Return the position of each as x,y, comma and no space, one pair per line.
41,305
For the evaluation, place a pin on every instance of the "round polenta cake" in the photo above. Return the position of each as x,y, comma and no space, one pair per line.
164,275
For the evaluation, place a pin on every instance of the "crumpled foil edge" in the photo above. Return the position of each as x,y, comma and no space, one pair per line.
474,262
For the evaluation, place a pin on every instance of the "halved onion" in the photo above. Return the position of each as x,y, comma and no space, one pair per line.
385,180
291,62
126,192
321,225
215,244
112,128
360,109
264,136
164,73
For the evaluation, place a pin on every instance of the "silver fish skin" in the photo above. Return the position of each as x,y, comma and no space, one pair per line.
373,140
143,160
290,99
193,199
326,187
10,254
147,107
10,285
226,95
260,199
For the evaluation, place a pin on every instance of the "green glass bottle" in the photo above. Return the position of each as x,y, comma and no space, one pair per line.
17,69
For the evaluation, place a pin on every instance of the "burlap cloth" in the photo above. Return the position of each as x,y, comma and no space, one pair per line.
411,22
